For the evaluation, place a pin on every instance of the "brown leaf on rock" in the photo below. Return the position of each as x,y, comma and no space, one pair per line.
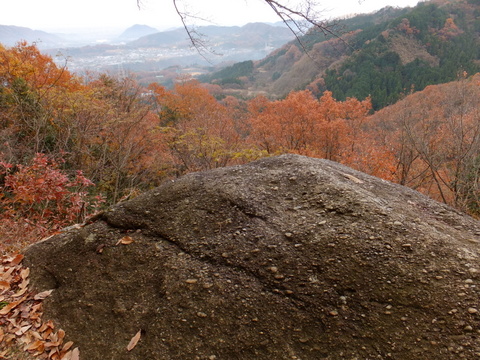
42,295
24,273
353,178
21,322
100,248
126,240
60,335
134,340
67,346
16,260
75,354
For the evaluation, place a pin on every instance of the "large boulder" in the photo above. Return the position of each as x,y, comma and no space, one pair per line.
284,258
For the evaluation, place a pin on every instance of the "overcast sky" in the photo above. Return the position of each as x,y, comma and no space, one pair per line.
65,14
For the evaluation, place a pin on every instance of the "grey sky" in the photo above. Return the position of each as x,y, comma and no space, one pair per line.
71,14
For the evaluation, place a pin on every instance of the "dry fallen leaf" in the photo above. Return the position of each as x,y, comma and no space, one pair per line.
75,354
16,260
353,178
36,345
42,295
21,324
126,240
22,330
24,273
4,285
134,340
11,306
100,248
67,346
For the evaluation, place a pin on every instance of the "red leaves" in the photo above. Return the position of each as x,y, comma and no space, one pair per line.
42,188
38,199
20,317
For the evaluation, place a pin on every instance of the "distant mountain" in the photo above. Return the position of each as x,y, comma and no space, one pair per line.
161,39
135,32
250,36
382,55
152,53
10,35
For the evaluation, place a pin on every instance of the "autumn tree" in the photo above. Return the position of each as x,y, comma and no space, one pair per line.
30,87
118,154
100,124
198,130
435,138
289,125
305,125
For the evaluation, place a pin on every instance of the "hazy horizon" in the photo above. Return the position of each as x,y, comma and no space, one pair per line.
66,16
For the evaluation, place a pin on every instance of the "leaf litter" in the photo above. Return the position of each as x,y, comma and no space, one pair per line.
22,329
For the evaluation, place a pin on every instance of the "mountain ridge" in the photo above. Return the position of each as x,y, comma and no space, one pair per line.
135,32
11,35
382,55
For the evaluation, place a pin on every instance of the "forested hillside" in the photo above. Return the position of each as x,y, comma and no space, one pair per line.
382,55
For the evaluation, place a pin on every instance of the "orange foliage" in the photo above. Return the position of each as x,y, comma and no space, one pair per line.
405,27
199,132
39,71
434,136
304,125
449,30
125,138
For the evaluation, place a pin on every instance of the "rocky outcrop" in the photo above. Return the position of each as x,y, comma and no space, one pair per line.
284,258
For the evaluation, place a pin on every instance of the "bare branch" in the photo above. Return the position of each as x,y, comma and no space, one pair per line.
303,18
195,38
300,21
